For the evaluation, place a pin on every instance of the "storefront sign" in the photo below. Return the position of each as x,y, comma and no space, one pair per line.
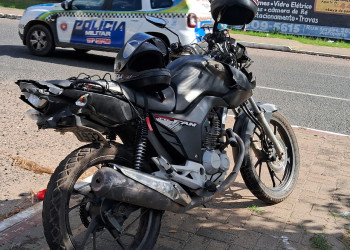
320,18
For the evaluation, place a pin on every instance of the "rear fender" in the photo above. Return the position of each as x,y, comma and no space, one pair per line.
67,121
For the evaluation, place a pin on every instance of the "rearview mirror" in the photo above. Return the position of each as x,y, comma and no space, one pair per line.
160,23
67,5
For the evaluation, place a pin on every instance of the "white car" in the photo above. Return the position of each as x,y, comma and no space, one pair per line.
107,24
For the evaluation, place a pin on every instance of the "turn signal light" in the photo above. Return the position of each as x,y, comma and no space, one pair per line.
82,101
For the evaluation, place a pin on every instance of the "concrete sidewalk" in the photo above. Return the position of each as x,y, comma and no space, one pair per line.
317,209
11,13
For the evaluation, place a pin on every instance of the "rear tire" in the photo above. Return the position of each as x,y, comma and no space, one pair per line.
258,174
69,211
40,41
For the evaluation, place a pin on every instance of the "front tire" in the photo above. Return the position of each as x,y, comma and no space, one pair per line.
272,181
40,41
74,218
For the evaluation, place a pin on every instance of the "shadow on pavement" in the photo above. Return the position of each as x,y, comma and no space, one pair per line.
95,60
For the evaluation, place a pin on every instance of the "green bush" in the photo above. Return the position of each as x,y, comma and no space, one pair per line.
23,4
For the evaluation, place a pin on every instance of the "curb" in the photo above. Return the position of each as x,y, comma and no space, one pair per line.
288,49
320,54
21,216
266,46
31,211
10,16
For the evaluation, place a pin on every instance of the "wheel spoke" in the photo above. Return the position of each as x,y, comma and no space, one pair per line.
38,46
90,229
77,205
127,227
94,240
36,35
33,42
272,177
128,234
42,36
84,192
277,177
260,165
257,163
43,43
120,243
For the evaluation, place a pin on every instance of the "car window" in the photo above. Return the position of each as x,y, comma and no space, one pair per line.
126,5
157,4
88,4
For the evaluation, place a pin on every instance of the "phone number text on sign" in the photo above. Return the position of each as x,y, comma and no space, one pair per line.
290,28
300,29
341,7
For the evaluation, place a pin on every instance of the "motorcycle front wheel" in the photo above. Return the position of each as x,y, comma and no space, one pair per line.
75,218
272,180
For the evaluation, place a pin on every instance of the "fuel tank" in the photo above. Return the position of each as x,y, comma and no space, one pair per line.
194,76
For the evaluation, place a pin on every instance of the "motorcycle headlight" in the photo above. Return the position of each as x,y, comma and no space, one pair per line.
36,101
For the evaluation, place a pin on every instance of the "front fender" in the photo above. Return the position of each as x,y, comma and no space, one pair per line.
244,127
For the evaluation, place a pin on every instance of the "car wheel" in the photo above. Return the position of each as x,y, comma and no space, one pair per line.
40,41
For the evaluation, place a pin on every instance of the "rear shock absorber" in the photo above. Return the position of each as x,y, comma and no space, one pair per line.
141,146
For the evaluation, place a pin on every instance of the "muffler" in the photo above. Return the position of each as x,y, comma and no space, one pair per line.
141,189
145,190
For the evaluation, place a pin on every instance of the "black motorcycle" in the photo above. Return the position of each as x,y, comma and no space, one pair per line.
169,120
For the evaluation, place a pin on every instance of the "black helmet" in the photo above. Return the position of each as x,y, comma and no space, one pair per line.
234,12
141,63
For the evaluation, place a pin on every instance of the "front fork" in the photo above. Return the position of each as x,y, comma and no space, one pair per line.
267,129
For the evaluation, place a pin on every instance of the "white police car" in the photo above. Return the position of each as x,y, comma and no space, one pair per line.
107,24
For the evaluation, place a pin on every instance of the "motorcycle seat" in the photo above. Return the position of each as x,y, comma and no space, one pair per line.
162,101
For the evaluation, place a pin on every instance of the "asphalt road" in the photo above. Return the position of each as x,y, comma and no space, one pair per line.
312,91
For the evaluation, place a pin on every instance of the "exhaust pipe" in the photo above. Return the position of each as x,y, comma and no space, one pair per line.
141,189
145,190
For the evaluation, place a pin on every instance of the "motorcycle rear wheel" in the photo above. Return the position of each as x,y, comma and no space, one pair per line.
259,173
74,218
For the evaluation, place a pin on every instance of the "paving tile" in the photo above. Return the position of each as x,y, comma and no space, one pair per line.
227,223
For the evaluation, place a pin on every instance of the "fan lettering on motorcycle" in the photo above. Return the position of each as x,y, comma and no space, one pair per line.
174,124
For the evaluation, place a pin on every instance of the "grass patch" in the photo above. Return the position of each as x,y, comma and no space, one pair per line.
30,165
346,236
301,39
345,215
302,227
319,241
23,4
256,209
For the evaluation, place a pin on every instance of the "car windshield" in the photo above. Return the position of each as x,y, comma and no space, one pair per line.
126,5
88,4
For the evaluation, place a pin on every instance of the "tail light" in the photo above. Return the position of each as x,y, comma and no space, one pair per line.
191,20
82,101
36,101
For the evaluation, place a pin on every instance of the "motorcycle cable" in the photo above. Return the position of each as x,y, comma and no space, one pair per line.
247,111
127,99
